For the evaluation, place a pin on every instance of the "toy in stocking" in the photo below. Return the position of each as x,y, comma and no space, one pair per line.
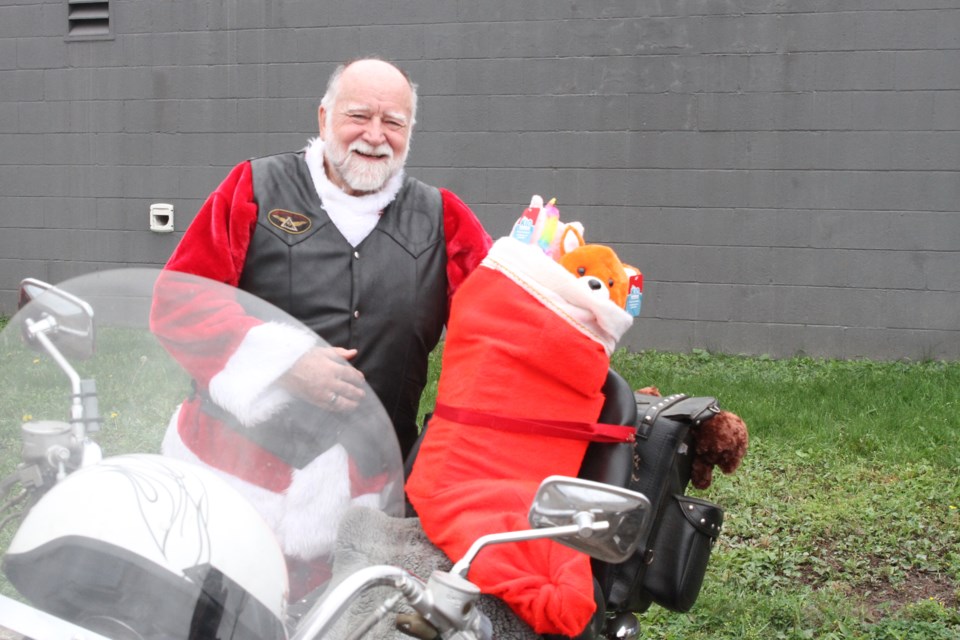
525,357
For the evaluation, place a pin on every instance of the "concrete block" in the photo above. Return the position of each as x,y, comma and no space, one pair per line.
151,49
8,54
71,116
336,44
21,18
287,115
120,213
267,46
911,309
22,85
207,47
789,340
926,70
373,12
205,17
152,249
504,10
659,334
10,185
208,116
11,273
469,149
828,110
941,270
791,72
25,244
132,16
62,271
552,38
20,149
20,212
196,183
887,344
151,116
60,214
9,117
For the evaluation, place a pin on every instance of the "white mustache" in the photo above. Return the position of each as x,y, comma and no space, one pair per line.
369,150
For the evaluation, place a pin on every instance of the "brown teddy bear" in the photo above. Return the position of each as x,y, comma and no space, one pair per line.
721,441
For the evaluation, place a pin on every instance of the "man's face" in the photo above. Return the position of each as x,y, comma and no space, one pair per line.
366,133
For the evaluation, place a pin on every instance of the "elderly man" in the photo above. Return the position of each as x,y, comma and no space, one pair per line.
340,238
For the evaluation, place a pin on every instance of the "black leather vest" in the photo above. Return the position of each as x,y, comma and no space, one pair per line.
387,297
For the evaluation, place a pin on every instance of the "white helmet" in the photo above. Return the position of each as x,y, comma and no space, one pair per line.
143,546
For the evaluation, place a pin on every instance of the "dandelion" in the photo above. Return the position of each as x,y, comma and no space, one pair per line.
36,361
27,417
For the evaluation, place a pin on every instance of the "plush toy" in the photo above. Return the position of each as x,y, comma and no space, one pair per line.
540,225
601,270
721,441
526,354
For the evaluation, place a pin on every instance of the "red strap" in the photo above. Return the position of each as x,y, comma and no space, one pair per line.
592,431
225,449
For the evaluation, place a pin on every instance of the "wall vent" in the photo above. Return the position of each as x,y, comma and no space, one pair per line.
88,19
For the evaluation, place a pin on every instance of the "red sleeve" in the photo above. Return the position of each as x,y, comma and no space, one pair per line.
199,325
467,241
216,242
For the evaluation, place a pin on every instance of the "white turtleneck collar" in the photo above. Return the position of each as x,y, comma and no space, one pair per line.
354,216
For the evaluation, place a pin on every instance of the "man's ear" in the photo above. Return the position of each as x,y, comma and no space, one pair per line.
322,122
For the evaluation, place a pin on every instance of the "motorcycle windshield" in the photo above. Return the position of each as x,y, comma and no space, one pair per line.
234,442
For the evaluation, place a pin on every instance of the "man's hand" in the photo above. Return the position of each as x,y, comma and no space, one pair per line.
323,377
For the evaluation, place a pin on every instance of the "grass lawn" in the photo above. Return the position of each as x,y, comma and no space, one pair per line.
844,519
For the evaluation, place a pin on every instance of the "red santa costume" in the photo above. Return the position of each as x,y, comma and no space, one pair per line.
326,245
525,357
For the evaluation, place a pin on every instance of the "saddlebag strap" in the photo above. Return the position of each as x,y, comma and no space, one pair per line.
590,431
678,407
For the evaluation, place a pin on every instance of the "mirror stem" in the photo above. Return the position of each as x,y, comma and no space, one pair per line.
462,567
38,331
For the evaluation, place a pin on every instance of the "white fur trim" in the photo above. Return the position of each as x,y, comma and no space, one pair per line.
245,386
314,505
354,216
305,518
559,290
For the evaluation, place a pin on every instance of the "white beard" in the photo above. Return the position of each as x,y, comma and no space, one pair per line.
360,174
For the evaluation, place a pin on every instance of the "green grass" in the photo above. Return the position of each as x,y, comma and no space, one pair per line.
844,519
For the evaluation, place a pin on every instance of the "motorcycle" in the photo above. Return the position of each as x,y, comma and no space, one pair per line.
146,541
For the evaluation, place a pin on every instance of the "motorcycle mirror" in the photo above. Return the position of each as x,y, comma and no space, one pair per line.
563,501
64,318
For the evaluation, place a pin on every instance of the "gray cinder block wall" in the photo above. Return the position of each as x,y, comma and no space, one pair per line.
787,175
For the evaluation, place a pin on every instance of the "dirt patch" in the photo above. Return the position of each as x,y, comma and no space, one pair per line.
880,596
883,597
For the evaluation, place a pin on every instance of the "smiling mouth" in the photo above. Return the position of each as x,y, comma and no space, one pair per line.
368,156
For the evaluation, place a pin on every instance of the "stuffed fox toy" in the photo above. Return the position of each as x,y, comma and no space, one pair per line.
600,268
525,358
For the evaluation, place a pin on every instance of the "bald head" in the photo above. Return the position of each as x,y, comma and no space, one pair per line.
366,118
374,71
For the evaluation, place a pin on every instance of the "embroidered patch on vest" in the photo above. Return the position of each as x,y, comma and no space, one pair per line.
289,221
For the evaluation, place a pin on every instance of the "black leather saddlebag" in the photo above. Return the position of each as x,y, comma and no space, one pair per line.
671,561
